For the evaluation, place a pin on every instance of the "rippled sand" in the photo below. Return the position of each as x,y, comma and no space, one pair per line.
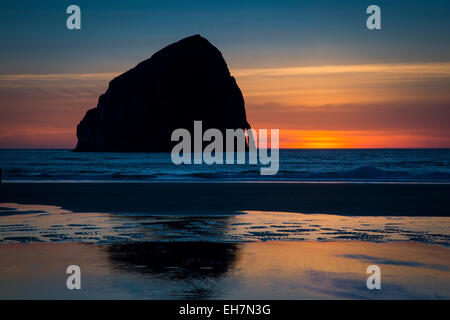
251,255
37,223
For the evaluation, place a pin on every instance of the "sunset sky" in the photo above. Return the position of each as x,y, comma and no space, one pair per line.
309,68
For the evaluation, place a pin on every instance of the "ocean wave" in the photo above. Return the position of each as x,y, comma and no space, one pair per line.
363,173
295,165
368,173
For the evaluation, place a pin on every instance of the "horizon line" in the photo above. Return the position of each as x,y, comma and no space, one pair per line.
380,148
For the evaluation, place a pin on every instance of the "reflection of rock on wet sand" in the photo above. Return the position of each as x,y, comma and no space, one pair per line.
195,270
191,263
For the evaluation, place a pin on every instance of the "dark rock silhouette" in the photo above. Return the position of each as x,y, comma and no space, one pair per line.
186,81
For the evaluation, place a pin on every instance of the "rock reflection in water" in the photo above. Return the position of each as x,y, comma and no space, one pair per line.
192,263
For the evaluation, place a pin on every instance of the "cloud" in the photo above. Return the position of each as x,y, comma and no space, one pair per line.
377,105
406,70
378,116
57,77
319,85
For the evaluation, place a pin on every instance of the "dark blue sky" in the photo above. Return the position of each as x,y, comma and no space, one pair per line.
117,34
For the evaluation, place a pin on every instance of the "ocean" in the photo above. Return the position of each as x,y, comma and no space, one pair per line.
225,240
328,165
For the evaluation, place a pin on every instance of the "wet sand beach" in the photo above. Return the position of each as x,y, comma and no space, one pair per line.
214,241
39,223
207,270
392,199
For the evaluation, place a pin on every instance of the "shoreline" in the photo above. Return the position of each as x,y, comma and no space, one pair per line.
384,199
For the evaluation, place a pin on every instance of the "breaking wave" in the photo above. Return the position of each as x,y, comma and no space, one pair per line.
294,165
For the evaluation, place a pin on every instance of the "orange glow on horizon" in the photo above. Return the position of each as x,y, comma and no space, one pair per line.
294,139
351,84
348,106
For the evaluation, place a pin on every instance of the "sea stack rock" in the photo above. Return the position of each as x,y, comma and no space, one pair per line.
186,81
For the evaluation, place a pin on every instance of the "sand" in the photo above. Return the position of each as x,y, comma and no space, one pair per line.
216,198
199,270
39,223
140,255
